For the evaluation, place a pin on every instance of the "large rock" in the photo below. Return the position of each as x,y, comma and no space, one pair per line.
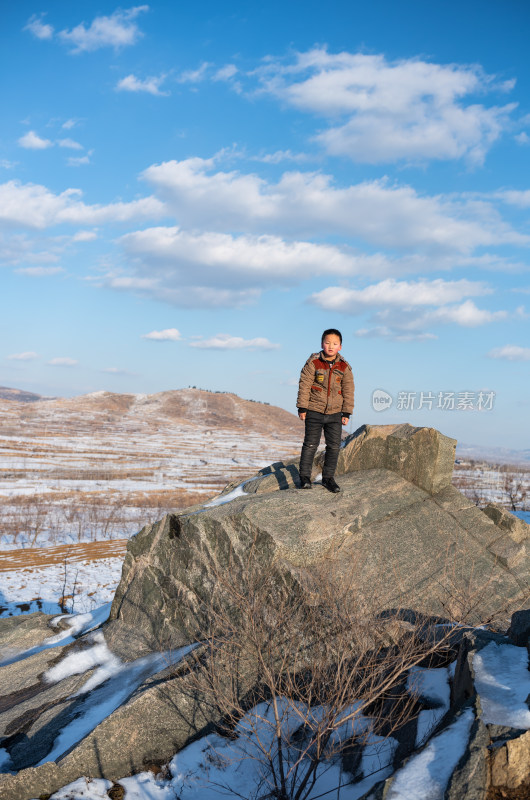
517,529
510,763
411,540
414,539
422,456
519,630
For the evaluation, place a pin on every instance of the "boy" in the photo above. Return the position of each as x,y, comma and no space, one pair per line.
325,401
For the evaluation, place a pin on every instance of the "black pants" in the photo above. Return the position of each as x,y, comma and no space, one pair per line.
314,423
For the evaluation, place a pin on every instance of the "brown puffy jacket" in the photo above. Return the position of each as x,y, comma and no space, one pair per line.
325,388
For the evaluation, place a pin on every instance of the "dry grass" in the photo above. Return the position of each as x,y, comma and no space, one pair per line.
322,669
87,516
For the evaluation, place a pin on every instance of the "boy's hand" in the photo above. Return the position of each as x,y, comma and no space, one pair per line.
302,414
345,420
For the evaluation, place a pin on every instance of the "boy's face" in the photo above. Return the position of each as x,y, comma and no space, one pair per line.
331,346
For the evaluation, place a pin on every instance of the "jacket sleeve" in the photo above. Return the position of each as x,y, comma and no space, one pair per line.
307,377
348,391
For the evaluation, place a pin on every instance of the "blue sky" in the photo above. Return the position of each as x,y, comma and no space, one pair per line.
191,193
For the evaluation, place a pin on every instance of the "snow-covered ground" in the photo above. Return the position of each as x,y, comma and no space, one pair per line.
215,767
86,585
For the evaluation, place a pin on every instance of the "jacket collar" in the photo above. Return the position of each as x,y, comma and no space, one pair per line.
337,358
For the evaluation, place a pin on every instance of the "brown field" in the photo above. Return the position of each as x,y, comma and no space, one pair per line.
46,556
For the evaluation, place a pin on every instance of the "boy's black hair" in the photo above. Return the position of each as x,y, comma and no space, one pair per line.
331,332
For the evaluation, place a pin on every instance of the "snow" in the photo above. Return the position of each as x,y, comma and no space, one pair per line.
239,491
41,587
426,775
82,623
431,685
84,789
5,760
81,661
502,680
213,767
77,625
105,699
376,765
146,787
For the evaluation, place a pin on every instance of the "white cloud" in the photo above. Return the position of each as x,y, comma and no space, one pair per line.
69,124
280,155
309,204
383,332
40,272
400,309
170,291
522,138
62,362
466,314
117,30
194,75
84,236
408,109
225,73
411,321
224,341
79,161
29,356
178,257
38,28
70,143
168,335
391,292
116,371
150,85
510,352
32,141
33,206
20,248
514,197
6,164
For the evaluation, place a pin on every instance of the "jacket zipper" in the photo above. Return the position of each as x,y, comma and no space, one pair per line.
330,370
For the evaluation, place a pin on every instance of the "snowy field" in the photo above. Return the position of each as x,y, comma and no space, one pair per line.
82,470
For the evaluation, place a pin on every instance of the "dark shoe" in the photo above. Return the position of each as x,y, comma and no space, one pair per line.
305,483
330,485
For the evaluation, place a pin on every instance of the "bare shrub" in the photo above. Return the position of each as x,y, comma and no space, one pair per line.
323,669
516,490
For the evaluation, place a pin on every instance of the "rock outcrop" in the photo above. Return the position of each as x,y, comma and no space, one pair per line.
414,542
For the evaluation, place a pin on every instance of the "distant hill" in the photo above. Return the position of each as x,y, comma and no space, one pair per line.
496,455
20,396
195,407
